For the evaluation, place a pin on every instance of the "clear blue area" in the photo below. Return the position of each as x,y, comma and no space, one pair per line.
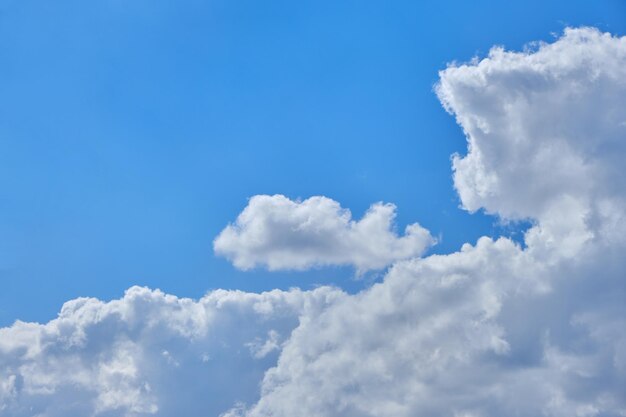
133,131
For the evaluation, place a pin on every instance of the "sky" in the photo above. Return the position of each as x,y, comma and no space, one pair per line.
131,133
312,208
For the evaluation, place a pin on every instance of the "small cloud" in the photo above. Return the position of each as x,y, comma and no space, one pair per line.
281,234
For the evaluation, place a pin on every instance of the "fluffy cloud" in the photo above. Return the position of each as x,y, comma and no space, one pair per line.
442,337
149,353
546,134
495,329
279,233
488,331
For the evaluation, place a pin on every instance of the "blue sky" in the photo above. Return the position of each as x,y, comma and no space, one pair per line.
132,132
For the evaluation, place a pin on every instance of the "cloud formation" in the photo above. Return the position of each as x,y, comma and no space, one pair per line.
278,233
546,134
495,329
467,334
149,353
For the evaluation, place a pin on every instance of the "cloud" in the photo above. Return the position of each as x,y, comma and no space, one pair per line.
473,333
278,233
148,353
546,134
495,329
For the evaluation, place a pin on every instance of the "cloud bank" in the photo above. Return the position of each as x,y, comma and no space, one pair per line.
495,329
278,233
149,353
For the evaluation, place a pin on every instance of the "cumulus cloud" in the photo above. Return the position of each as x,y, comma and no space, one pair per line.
148,353
473,333
495,329
278,233
546,134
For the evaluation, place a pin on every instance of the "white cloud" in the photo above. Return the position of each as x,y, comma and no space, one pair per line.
546,135
495,329
148,353
278,233
471,333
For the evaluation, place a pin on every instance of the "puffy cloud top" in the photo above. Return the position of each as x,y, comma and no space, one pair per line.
546,132
279,233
